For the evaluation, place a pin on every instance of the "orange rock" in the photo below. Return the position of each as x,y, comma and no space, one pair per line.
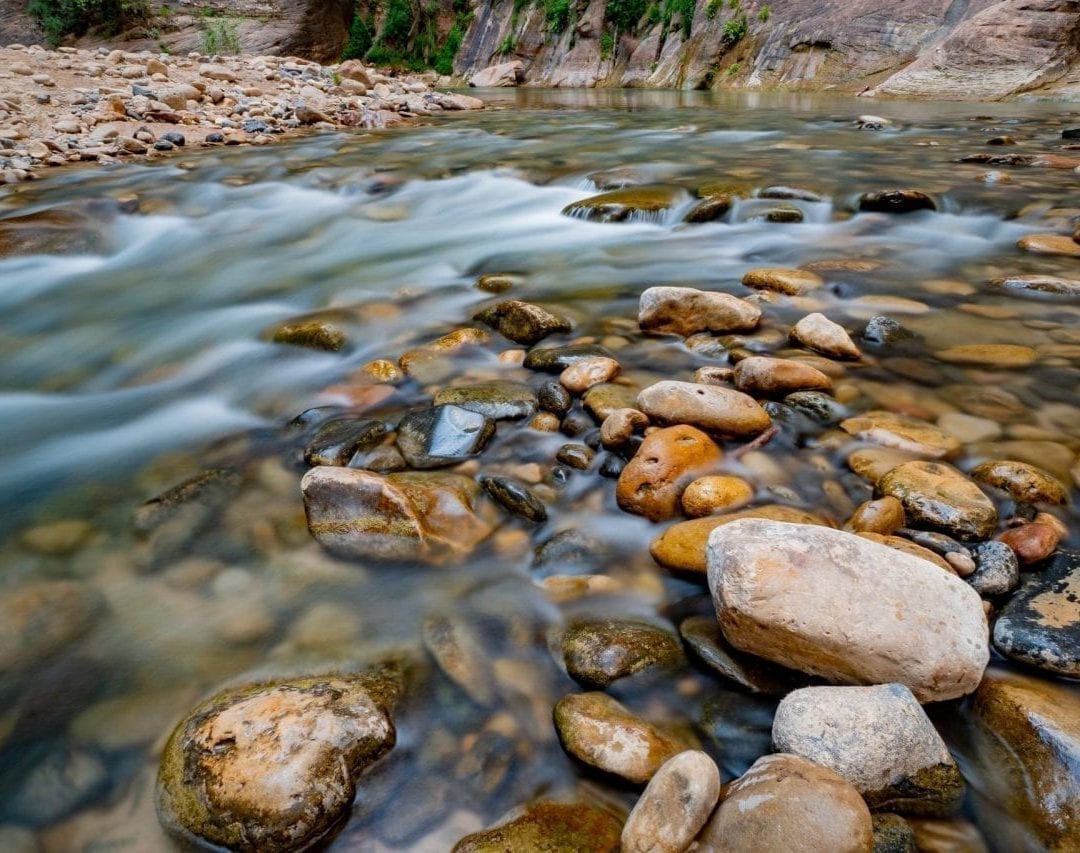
653,481
1032,542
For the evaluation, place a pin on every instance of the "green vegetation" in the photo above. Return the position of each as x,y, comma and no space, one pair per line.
409,37
557,14
507,46
624,15
735,5
734,30
734,69
60,18
607,44
764,14
712,7
444,60
685,10
361,37
220,36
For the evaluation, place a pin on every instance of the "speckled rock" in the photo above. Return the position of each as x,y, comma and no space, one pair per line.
274,766
893,834
522,322
548,826
599,731
938,496
715,493
835,605
786,804
1040,625
682,546
783,280
667,460
878,738
775,377
1028,731
901,432
1025,483
708,407
674,806
418,516
686,311
819,333
883,516
598,652
997,570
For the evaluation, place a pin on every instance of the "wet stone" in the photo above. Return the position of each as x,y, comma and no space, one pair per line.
274,766
773,377
557,359
940,497
515,497
703,636
443,435
549,826
576,456
883,516
455,644
819,333
630,204
712,494
336,442
40,618
312,334
522,322
553,397
1050,244
879,739
893,834
686,311
598,652
1039,284
583,375
819,407
709,209
896,201
1032,543
602,400
885,330
674,806
1040,625
997,570
708,407
1024,483
604,734
989,355
495,400
901,432
792,282
59,783
665,463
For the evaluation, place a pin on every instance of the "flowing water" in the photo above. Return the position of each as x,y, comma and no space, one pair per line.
133,309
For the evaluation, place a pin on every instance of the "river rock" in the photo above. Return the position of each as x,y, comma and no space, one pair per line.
442,435
709,495
899,543
783,280
337,441
58,538
620,425
819,407
989,355
1037,284
667,460
997,570
501,74
274,766
1027,741
602,400
674,806
878,738
835,605
313,334
1032,543
522,322
407,516
940,497
553,397
704,637
557,359
1024,483
682,546
884,516
499,400
896,201
819,333
686,311
583,375
709,407
456,646
516,498
1050,244
901,432
775,377
596,729
547,826
893,834
786,804
40,618
1040,625
598,652
640,204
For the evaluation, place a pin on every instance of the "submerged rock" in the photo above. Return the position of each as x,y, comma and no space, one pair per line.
896,201
40,618
686,311
878,738
901,432
337,441
516,498
442,435
1040,626
786,804
938,496
711,494
1037,284
997,570
523,322
774,377
642,203
836,605
674,806
312,334
547,826
708,407
557,359
427,517
274,766
819,333
704,637
667,460
496,400
783,280
599,652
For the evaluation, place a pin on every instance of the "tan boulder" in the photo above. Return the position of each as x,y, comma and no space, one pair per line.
708,407
901,432
783,280
550,826
989,355
674,806
833,604
667,460
819,333
686,311
775,377
1025,483
938,496
582,375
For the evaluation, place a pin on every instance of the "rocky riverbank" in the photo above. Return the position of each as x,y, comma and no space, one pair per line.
107,105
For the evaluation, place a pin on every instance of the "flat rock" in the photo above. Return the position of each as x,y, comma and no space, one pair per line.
674,806
756,675
783,280
686,311
426,517
786,804
274,766
833,604
442,435
630,204
776,377
878,738
940,497
819,333
598,652
523,322
1024,483
497,400
708,407
1038,284
1050,244
548,826
557,359
665,463
901,432
1040,625
597,730
682,546
989,355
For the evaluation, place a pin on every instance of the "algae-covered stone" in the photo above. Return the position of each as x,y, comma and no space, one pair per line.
938,496
268,767
643,203
549,828
557,359
337,441
523,322
1025,483
599,652
516,498
312,334
893,834
496,400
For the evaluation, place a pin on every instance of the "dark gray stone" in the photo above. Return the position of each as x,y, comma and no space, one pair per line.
496,400
336,442
896,201
443,435
997,570
516,498
557,359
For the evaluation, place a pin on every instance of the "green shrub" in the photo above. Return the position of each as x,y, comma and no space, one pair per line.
685,8
764,14
734,69
607,44
59,18
734,30
398,23
735,5
444,60
220,36
625,14
361,37
712,7
507,45
557,14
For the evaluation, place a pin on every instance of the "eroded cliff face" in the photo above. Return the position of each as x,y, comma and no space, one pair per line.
962,49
